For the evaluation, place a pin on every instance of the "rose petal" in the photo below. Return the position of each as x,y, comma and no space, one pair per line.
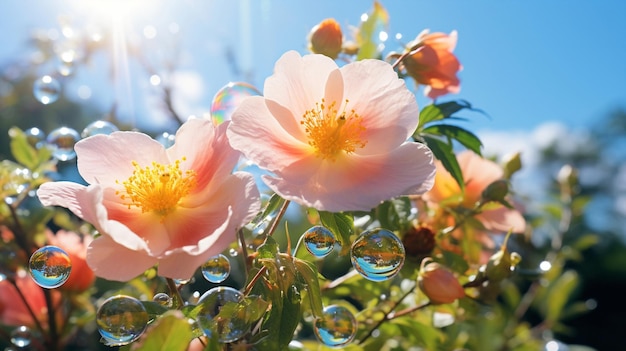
113,261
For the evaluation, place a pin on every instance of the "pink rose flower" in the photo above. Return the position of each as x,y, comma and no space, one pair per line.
173,207
334,138
434,65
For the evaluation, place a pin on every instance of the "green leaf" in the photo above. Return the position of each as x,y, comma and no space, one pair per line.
444,153
393,214
559,293
171,332
274,203
341,225
435,112
269,249
23,152
368,32
463,136
308,274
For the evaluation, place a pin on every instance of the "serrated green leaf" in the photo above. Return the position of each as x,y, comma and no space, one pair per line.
444,153
308,273
24,153
341,225
463,136
368,32
171,332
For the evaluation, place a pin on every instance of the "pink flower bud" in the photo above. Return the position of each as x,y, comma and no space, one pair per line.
438,283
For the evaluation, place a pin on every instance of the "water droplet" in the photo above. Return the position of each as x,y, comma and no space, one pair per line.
65,68
555,345
50,266
121,320
216,269
377,254
229,328
35,137
233,252
63,140
21,336
99,127
228,98
336,327
319,241
166,139
163,299
46,89
545,266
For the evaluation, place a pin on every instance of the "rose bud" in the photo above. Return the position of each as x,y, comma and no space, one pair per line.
326,38
438,283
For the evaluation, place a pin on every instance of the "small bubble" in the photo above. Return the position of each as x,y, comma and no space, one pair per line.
46,89
155,80
35,137
233,252
555,345
319,241
377,254
228,98
162,299
336,326
121,320
63,140
99,127
166,139
50,266
21,336
229,328
216,269
545,266
65,68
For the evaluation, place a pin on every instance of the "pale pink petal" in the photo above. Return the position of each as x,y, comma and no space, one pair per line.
478,173
503,219
357,183
257,133
389,110
112,261
106,158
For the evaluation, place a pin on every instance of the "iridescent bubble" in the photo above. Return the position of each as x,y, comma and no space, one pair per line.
377,254
46,89
50,266
216,269
63,140
35,137
163,299
21,336
99,127
228,98
319,241
166,139
121,320
229,328
336,326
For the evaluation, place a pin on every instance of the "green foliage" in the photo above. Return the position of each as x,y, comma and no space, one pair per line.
169,332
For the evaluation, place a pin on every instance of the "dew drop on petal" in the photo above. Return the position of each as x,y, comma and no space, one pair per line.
99,127
62,141
50,266
336,326
377,254
46,89
166,139
216,269
21,336
229,328
319,241
121,320
228,98
162,299
35,137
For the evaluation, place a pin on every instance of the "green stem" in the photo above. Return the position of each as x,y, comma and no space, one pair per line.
52,322
279,216
244,251
175,293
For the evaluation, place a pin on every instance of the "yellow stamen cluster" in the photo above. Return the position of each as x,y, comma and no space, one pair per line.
157,188
331,132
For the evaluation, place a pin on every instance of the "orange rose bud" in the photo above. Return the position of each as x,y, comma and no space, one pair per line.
419,241
438,283
326,38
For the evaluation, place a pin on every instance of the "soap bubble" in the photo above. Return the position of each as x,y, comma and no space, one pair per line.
50,267
336,326
162,299
121,320
377,254
228,98
319,241
63,140
216,269
99,127
229,328
35,137
21,336
46,89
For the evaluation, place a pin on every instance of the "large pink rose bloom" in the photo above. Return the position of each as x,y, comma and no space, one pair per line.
334,138
173,207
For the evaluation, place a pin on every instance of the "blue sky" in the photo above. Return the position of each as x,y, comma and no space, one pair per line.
525,62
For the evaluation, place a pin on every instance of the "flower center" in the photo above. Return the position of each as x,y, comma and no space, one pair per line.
331,132
158,188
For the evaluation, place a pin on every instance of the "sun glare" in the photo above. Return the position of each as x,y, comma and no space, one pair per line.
112,9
